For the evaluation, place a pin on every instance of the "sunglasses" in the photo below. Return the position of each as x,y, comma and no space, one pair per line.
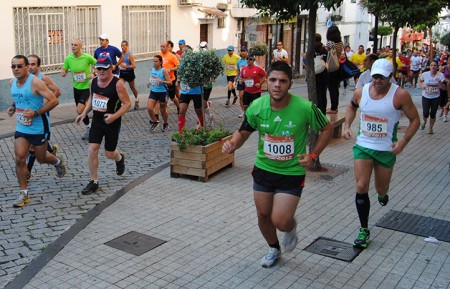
14,66
102,68
251,59
379,76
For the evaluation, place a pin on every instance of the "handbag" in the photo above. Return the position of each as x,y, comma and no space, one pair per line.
348,69
332,61
319,64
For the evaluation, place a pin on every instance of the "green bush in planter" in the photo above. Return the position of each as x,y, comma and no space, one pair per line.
259,49
200,136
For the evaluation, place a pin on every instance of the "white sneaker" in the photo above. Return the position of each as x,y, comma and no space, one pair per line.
241,115
445,118
270,258
290,240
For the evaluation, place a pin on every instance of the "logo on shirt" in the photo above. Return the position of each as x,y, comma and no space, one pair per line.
264,125
277,119
290,125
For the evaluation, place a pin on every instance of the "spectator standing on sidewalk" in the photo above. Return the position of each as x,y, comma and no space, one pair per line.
32,101
230,60
283,121
109,100
79,64
126,66
381,104
334,41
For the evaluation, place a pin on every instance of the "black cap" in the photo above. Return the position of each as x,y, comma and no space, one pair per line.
244,48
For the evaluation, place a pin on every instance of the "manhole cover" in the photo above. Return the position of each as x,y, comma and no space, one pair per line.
135,243
334,249
416,225
329,173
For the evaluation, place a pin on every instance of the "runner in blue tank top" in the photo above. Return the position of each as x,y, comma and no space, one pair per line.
32,101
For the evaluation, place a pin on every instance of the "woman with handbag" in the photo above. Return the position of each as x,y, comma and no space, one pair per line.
334,42
322,77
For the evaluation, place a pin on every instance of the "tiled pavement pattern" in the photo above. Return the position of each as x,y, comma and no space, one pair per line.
212,236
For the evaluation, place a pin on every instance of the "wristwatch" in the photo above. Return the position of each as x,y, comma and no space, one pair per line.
36,114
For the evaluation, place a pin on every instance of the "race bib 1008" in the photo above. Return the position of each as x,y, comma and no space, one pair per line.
279,148
372,126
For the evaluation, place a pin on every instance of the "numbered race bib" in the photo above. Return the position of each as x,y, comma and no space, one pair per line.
154,82
432,89
21,118
249,82
279,148
185,87
372,126
79,76
231,66
99,102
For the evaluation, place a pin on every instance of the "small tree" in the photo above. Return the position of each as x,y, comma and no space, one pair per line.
383,31
445,40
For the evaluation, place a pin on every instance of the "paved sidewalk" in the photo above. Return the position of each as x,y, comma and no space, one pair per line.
212,236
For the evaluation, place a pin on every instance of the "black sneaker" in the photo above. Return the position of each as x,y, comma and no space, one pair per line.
154,125
90,188
383,200
234,100
165,126
120,166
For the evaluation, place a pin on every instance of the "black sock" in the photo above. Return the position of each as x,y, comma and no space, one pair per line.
86,120
50,148
234,92
276,245
30,161
229,94
363,207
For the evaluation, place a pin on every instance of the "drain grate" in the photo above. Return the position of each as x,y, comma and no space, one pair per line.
329,173
135,243
334,249
416,225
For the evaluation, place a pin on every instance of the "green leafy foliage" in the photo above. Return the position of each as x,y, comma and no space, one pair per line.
259,49
383,30
200,67
199,136
445,40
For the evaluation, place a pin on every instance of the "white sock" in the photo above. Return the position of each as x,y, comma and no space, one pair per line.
120,158
25,192
58,162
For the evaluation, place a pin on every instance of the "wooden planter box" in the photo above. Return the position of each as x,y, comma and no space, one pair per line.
199,161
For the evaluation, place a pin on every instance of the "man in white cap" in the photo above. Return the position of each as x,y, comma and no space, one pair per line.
105,49
381,104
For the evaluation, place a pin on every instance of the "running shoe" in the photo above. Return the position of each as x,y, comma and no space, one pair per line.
61,168
21,200
120,166
86,135
54,149
383,200
363,238
290,240
228,102
270,258
136,105
91,187
422,126
234,100
164,127
241,115
430,131
154,125
445,118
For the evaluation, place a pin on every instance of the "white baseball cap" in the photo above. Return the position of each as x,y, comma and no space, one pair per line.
203,44
383,67
104,36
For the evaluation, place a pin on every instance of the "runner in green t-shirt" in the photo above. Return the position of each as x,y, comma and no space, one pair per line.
79,63
283,121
